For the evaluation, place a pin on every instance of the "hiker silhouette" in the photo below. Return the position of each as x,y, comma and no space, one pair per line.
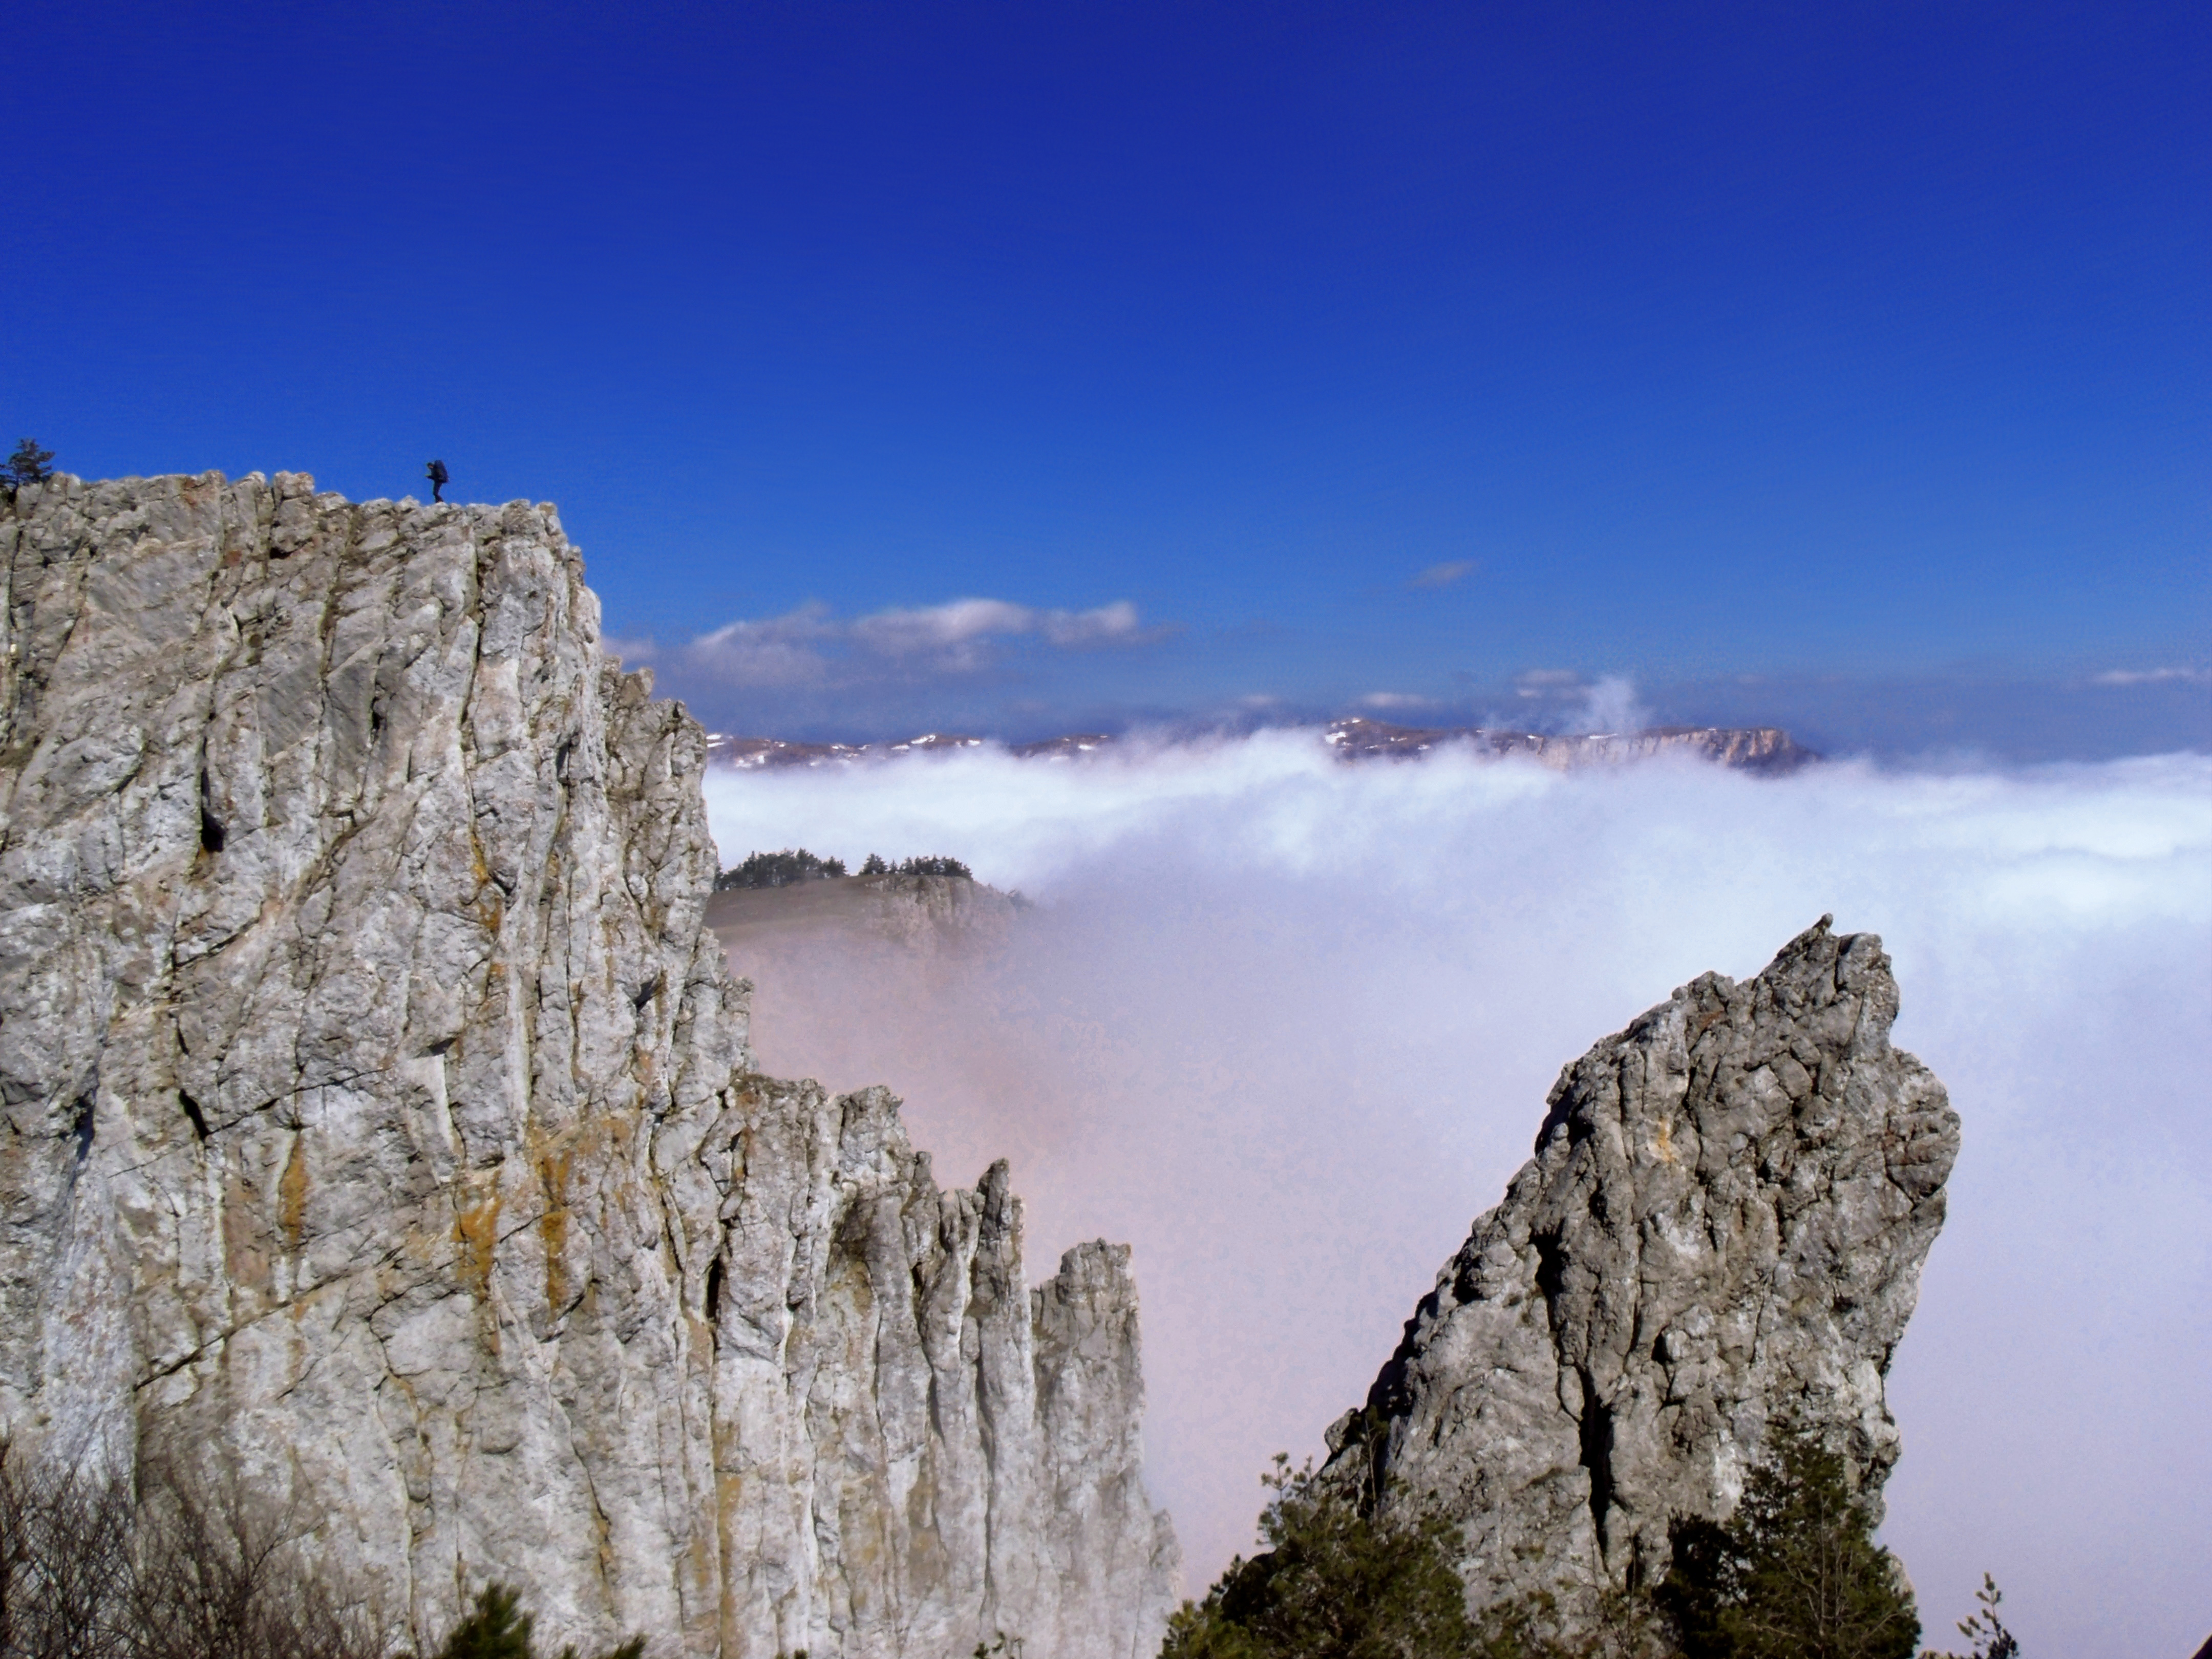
437,474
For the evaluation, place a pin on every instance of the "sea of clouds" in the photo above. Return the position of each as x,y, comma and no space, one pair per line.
1286,1026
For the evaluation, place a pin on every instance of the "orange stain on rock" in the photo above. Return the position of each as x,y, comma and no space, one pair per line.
292,1194
553,1225
476,1229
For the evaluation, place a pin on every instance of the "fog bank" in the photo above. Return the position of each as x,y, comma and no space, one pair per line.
1287,1025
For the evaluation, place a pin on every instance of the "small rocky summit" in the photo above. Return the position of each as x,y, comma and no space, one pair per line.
1722,1229
922,915
383,1133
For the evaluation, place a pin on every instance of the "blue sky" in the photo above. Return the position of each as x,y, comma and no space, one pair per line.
1852,369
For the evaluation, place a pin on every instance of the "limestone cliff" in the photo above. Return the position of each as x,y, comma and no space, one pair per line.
381,1124
1723,1228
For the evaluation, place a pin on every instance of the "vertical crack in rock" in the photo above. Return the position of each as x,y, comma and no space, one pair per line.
425,1112
1721,1230
211,831
1597,1427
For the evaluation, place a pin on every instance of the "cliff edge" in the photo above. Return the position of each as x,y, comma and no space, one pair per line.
383,1133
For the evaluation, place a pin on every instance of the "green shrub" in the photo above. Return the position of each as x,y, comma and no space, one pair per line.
936,865
497,1628
1335,1582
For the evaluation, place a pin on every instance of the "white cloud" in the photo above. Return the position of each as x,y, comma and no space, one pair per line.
1287,1025
956,629
1608,704
810,646
2152,676
1611,705
1401,701
1547,682
1109,624
1442,575
781,651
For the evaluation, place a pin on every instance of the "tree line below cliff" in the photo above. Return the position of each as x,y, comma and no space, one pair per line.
1794,1573
794,865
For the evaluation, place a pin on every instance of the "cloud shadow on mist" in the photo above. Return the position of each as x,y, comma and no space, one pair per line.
1287,1026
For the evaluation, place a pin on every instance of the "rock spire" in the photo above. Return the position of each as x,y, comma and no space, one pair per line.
1722,1229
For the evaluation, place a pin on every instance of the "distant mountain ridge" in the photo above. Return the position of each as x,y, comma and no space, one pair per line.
1750,749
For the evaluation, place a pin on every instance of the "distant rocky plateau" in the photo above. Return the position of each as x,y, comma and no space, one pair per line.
1750,749
924,914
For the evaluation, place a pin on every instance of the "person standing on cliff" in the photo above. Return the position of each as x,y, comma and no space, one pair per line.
437,474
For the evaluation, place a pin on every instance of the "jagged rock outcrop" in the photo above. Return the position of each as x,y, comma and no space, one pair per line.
1722,1229
381,1126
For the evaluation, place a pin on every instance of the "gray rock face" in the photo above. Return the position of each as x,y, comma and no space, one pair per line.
1722,1229
381,1127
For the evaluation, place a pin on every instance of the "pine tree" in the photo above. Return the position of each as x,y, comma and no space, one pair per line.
935,864
1985,1630
784,869
28,465
1794,1573
1335,1582
497,1628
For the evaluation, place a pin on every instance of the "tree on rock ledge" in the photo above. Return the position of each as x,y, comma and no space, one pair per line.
1794,1573
1334,1583
28,465
496,1627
